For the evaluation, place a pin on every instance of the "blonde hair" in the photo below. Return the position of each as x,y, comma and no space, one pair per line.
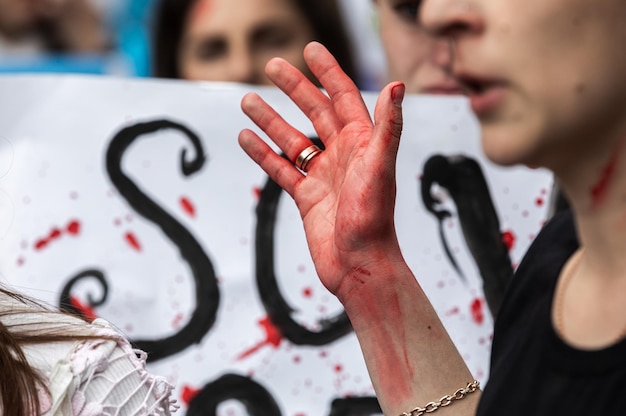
21,325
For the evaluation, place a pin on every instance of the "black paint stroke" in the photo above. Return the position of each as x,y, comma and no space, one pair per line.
206,290
257,400
355,406
279,311
463,178
65,302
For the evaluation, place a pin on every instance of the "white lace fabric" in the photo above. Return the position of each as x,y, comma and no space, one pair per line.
100,376
106,377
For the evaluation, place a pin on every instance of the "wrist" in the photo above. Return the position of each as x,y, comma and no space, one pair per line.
373,284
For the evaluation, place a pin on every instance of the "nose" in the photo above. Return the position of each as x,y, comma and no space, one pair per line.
451,18
242,67
441,52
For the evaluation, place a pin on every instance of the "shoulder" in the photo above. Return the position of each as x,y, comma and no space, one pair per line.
103,375
538,271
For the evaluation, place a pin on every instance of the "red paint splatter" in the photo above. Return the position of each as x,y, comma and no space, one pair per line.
599,190
338,368
132,241
307,292
85,310
73,227
256,191
20,261
508,238
273,337
297,359
177,320
188,394
188,207
539,202
54,234
41,244
476,308
453,311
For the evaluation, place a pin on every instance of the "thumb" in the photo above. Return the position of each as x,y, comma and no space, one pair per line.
388,115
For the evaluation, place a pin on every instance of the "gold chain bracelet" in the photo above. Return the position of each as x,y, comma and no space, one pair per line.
445,400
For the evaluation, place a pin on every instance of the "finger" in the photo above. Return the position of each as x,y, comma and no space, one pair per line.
277,167
345,95
388,120
308,97
290,140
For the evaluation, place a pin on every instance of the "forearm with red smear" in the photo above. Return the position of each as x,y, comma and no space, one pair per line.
409,355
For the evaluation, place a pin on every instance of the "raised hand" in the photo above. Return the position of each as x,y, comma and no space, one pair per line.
347,196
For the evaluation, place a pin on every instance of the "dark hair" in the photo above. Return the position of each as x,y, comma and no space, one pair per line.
323,15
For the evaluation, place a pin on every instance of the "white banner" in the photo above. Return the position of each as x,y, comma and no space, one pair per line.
132,201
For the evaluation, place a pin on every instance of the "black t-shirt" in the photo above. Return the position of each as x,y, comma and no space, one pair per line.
533,372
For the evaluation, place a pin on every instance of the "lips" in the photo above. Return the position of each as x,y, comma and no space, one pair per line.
444,88
485,94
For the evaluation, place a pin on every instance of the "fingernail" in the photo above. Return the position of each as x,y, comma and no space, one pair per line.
397,94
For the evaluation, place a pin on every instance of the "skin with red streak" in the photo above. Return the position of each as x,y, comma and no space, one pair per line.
600,190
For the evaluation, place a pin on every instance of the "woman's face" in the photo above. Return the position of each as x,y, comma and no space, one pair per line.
547,78
413,56
17,16
231,40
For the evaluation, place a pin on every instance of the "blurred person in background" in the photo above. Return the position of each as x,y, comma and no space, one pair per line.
55,26
414,57
232,40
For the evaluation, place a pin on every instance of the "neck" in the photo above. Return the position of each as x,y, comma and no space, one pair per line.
596,189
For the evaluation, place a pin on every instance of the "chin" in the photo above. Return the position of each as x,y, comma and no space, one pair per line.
509,147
